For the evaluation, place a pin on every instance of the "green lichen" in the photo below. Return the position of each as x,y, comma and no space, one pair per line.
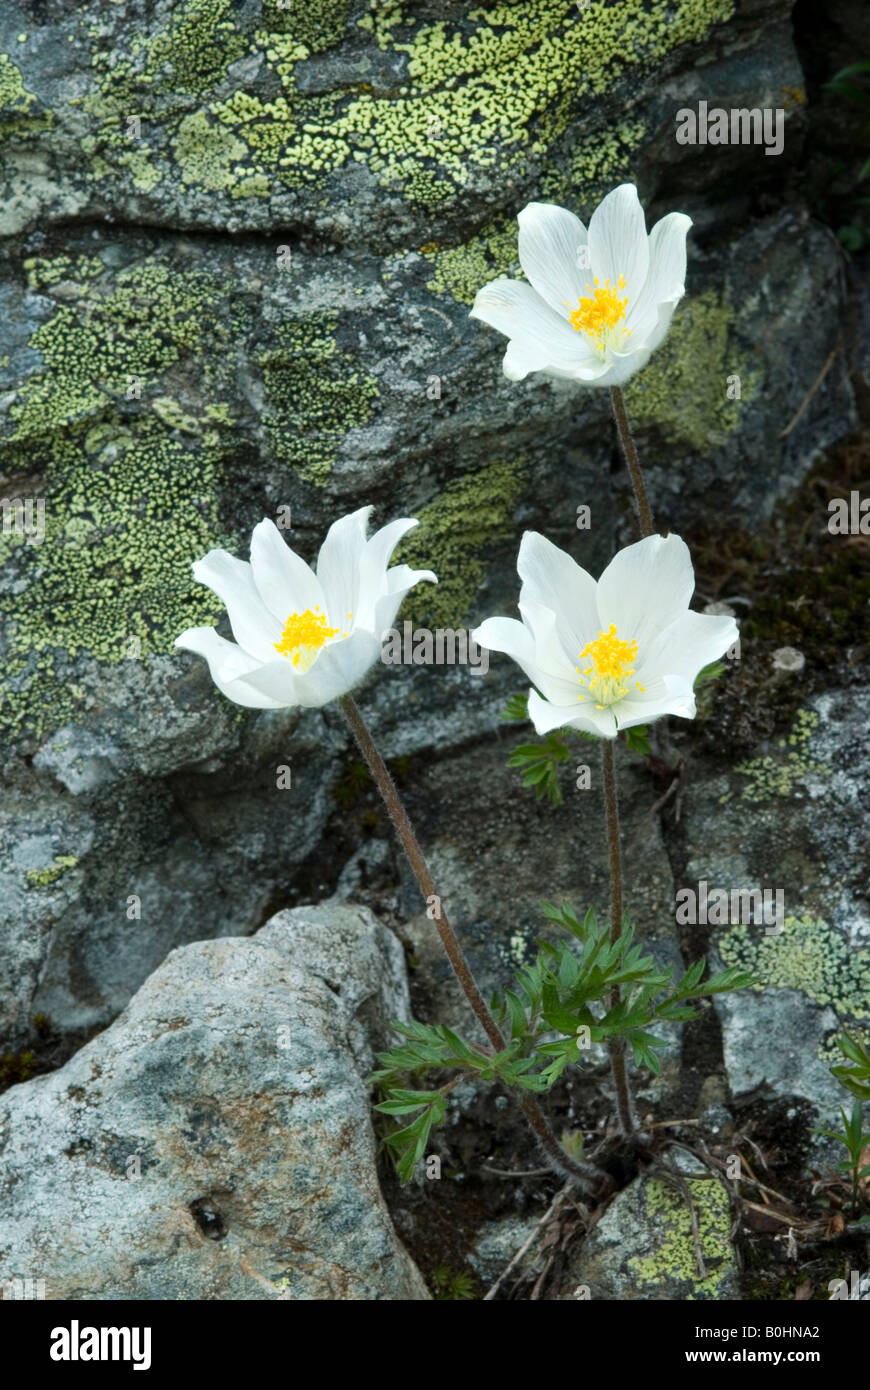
92,354
461,270
499,86
782,775
470,517
809,956
683,389
122,527
314,26
45,271
675,1257
314,394
40,878
595,166
459,97
131,487
19,109
207,153
13,95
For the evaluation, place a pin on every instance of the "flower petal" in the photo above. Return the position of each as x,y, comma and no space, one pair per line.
650,315
284,581
338,564
551,578
518,311
400,580
550,240
693,642
678,698
254,627
374,581
618,244
340,666
645,588
546,717
235,675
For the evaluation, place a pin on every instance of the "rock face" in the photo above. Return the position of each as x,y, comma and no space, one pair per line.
352,175
215,1141
642,1248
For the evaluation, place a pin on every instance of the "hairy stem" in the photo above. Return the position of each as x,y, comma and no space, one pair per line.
628,447
616,1046
556,1155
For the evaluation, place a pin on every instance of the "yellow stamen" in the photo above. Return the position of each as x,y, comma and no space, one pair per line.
599,312
303,636
611,666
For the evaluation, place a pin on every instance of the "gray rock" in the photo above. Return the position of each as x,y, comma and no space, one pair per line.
642,1248
215,1142
351,183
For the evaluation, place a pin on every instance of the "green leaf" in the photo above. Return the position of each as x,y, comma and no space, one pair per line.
709,673
637,739
516,708
517,1014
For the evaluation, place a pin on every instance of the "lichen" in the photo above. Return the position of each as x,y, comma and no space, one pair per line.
683,389
471,516
45,271
138,330
500,86
314,393
781,776
20,113
207,152
41,878
809,956
461,270
675,1257
130,487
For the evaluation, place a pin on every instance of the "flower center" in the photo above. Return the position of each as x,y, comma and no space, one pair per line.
611,666
599,312
303,636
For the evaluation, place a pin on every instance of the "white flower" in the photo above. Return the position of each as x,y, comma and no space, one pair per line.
608,655
303,638
596,303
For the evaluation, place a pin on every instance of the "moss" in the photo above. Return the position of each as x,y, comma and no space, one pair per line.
808,956
683,388
675,1257
41,878
471,515
783,774
15,1067
314,395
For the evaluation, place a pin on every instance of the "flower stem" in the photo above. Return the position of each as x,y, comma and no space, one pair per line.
616,1046
628,447
559,1159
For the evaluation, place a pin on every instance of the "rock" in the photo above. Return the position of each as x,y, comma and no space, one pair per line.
352,176
642,1248
759,825
496,1245
215,1142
